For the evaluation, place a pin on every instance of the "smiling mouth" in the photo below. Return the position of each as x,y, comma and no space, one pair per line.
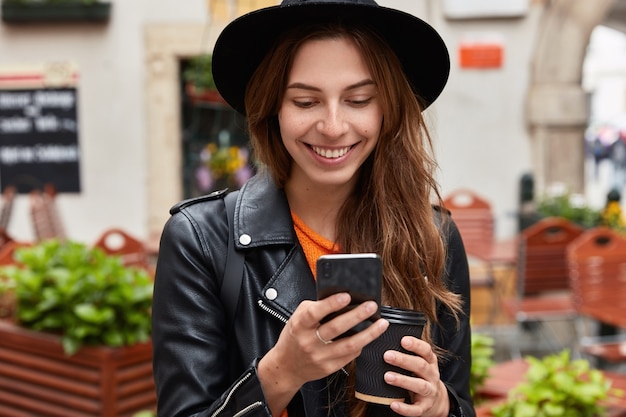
331,153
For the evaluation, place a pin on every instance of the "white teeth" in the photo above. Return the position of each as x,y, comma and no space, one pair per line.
330,153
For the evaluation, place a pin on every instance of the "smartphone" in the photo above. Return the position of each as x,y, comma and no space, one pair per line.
359,274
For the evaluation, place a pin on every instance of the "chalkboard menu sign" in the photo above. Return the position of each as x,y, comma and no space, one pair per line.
39,139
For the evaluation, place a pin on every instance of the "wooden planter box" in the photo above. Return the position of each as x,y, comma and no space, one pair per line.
204,96
23,13
38,379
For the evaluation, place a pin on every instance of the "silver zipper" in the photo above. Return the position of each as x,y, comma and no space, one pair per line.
248,408
230,394
271,312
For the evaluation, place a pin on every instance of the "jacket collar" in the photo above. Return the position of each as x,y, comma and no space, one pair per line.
260,213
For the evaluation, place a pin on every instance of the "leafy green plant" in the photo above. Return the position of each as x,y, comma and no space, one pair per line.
556,386
482,349
565,206
199,72
80,293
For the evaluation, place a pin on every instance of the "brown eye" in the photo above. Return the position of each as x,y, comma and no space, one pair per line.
304,104
360,103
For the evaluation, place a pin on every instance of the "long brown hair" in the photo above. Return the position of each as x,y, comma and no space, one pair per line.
390,211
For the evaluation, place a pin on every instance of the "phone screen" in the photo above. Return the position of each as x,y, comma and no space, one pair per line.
358,274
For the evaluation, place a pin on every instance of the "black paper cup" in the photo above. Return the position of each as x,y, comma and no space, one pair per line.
370,365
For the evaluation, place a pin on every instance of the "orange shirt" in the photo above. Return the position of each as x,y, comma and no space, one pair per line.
313,246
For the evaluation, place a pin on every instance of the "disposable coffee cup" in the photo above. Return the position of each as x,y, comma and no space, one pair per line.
370,365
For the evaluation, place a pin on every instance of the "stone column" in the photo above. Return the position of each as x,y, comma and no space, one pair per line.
557,106
166,45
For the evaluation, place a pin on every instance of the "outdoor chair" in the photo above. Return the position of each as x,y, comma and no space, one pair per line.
597,262
543,293
8,197
474,218
45,216
118,242
8,250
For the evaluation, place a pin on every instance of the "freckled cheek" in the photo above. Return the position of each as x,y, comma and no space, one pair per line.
292,130
367,127
296,125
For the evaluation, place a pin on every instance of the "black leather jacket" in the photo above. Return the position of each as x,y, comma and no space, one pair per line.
205,366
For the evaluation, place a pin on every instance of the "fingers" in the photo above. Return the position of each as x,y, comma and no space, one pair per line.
419,386
422,361
313,312
305,350
304,325
343,323
419,348
320,338
330,331
424,384
436,403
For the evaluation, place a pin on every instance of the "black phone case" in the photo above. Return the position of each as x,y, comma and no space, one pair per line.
357,274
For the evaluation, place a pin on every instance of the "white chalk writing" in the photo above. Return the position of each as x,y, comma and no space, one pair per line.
12,155
37,111
15,125
54,99
43,123
14,100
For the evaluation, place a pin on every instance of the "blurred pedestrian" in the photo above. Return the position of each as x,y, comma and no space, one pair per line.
618,160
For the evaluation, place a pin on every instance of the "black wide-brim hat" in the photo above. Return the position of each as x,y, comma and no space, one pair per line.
244,42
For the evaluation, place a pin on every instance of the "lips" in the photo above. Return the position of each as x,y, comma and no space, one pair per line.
331,153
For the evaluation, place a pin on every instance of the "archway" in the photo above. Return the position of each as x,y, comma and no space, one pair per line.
557,105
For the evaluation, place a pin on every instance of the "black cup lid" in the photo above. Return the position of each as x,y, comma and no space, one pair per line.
402,316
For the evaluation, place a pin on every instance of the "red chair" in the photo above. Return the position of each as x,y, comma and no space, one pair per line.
117,242
597,262
45,215
543,291
474,218
8,250
8,197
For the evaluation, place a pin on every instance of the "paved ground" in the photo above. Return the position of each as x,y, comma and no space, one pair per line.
535,340
543,340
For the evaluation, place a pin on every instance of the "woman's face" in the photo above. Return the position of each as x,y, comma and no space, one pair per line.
330,117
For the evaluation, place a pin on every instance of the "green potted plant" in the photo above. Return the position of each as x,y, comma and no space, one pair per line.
21,11
569,206
79,334
558,386
199,83
482,349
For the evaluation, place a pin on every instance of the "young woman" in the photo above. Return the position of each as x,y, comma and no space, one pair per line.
333,92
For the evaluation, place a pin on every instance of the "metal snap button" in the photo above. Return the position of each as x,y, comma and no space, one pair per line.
245,239
271,293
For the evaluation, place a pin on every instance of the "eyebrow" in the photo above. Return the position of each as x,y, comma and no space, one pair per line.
304,86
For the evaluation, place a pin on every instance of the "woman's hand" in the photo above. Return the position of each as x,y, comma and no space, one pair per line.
429,395
301,354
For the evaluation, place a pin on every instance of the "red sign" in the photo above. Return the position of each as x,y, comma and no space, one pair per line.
481,55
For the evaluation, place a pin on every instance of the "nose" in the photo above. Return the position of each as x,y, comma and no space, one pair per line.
333,122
